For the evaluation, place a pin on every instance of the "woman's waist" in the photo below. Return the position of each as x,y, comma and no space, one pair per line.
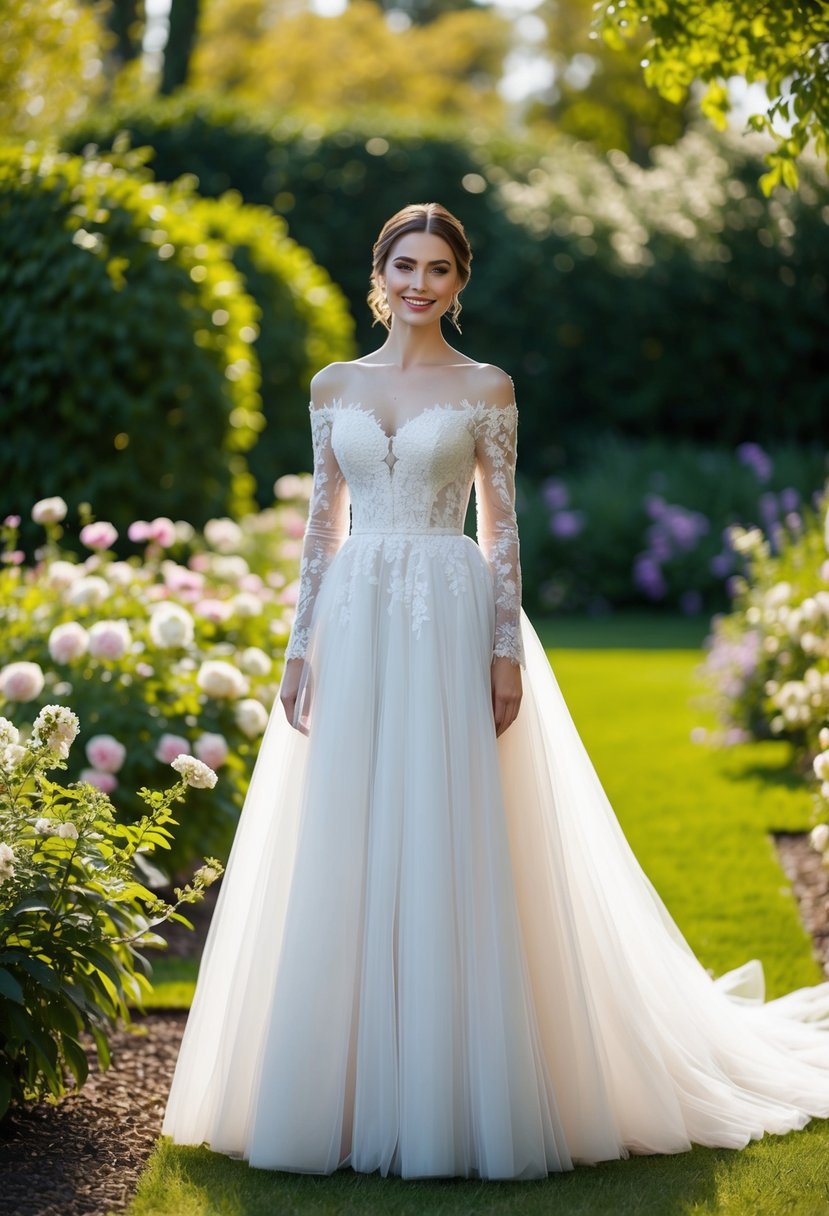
394,530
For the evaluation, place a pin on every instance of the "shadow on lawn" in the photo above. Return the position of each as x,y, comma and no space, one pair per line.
663,1185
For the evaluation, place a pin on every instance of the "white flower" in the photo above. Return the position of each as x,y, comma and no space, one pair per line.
109,639
255,662
246,604
223,534
823,738
221,680
67,831
7,860
229,569
67,642
21,681
61,574
819,837
251,717
291,485
90,591
211,749
49,511
11,756
105,753
171,626
8,732
194,772
56,727
45,827
821,766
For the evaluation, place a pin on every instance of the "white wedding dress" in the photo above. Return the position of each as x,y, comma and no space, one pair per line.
433,951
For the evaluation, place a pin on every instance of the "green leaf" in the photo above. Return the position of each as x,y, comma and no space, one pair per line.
10,987
75,1057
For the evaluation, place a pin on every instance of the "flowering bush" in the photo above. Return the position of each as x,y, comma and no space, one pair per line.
649,523
74,916
173,651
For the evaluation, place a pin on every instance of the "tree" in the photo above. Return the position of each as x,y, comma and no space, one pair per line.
598,94
782,44
184,17
53,64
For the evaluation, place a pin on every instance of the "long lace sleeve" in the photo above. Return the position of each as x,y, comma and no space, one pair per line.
497,527
326,529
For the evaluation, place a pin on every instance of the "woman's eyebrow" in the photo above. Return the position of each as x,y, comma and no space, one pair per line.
404,257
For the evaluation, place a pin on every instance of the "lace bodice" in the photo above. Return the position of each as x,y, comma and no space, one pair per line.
417,481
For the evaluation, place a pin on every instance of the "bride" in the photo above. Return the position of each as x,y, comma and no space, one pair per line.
433,951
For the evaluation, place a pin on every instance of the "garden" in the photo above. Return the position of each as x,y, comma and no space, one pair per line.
184,237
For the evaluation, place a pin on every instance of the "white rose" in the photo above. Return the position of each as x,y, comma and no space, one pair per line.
67,642
67,831
11,756
821,766
823,738
194,772
49,511
171,627
7,860
255,662
89,591
221,680
61,574
44,827
246,604
21,681
819,837
223,534
251,717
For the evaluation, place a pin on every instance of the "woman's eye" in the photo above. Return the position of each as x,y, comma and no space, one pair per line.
441,270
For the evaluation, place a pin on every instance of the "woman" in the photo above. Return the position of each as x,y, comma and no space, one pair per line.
433,952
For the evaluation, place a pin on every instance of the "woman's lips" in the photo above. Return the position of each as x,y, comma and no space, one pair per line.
417,305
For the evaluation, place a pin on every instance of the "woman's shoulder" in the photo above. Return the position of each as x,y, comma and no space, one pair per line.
332,383
490,385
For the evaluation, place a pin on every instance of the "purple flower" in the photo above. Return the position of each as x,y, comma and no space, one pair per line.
567,524
721,565
769,507
789,499
654,506
648,577
690,603
753,456
555,494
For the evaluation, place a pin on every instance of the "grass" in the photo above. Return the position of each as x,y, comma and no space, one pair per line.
699,822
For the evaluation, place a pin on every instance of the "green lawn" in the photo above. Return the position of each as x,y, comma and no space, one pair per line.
699,822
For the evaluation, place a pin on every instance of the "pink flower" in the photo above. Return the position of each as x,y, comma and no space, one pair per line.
170,746
213,610
68,641
100,535
144,670
199,562
21,681
163,531
109,639
12,521
105,753
49,511
105,782
179,579
14,557
211,749
139,530
294,524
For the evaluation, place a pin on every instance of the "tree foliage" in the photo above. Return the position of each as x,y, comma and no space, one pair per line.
783,44
317,66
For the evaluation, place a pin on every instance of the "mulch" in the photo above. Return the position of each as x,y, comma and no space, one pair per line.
84,1156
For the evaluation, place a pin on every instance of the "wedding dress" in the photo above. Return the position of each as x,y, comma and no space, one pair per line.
433,951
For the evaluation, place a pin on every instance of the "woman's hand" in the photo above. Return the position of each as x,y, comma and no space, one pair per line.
288,691
507,691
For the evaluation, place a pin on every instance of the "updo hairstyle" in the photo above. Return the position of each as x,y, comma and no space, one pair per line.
418,217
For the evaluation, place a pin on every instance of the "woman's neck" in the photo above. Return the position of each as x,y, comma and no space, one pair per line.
412,346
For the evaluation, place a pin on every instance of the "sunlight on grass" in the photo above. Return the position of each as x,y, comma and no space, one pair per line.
699,821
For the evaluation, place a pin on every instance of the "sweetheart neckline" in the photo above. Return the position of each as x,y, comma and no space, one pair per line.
355,407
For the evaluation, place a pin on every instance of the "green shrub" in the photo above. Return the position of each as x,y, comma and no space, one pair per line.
304,323
74,916
128,375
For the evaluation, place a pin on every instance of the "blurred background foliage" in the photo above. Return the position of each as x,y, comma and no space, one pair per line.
632,272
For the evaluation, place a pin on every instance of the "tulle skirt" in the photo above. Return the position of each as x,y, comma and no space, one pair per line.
433,952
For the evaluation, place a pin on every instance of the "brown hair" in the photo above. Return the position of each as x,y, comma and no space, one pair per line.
418,217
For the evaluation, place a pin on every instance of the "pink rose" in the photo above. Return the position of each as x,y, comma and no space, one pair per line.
105,753
49,511
211,749
100,535
163,531
68,641
12,521
213,610
21,681
170,746
139,530
109,639
105,782
294,524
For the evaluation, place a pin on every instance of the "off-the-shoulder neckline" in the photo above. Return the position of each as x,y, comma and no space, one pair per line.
336,403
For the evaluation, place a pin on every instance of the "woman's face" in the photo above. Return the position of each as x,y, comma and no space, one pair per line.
420,278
